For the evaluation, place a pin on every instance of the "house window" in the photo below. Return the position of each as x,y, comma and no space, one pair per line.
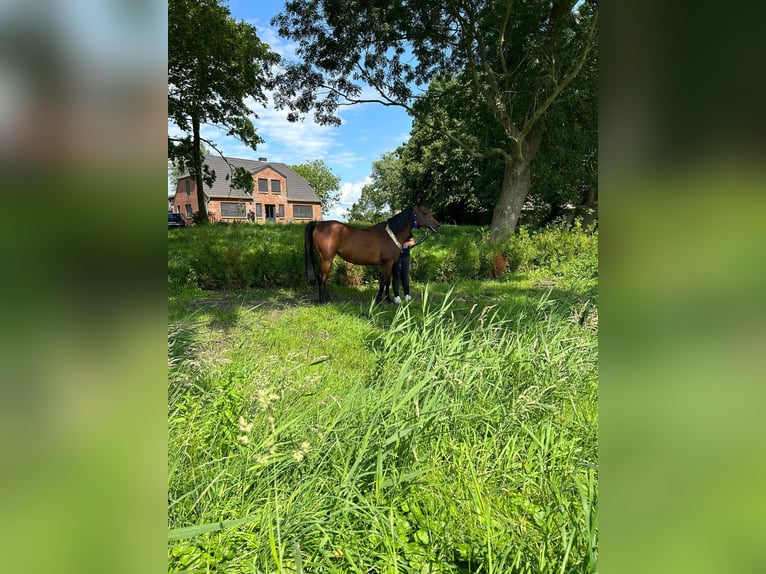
303,211
189,212
229,209
188,187
263,185
276,186
259,210
281,210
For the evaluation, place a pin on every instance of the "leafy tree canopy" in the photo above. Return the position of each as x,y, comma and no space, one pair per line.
325,183
384,194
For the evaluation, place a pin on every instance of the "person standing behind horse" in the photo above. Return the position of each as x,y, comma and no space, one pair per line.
401,271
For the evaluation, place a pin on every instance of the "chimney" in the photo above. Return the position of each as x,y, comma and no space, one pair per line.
262,159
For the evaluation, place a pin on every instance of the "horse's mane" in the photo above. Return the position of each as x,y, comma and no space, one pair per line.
400,221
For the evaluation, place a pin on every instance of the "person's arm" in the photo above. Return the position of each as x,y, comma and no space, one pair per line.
409,243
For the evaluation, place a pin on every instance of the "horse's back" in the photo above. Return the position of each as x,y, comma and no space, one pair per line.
361,246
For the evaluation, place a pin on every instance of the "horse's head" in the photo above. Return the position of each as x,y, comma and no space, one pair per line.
424,218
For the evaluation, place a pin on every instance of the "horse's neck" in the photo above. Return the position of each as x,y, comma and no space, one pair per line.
404,233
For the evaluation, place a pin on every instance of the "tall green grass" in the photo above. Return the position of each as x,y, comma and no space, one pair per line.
431,438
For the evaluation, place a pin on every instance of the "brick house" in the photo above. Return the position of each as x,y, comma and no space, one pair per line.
279,194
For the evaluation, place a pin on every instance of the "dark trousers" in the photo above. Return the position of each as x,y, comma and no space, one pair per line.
401,273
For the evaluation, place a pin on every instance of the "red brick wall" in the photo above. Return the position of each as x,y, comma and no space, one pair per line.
267,198
182,200
316,210
270,198
214,210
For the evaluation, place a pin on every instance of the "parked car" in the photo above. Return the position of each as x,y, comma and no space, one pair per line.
176,220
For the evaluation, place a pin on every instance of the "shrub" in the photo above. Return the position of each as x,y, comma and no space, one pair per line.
467,260
561,250
520,250
424,265
236,256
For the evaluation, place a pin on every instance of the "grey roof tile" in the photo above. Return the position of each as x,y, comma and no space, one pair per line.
298,189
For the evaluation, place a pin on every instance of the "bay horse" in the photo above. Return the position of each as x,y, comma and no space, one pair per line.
380,244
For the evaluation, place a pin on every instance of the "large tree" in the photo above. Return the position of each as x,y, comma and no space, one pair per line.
514,58
383,194
215,65
462,188
325,183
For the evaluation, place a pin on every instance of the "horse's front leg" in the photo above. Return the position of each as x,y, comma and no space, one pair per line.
384,284
379,296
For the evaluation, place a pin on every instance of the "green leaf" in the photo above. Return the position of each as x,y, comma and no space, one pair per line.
192,531
422,537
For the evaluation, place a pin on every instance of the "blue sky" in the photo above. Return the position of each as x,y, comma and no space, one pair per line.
367,131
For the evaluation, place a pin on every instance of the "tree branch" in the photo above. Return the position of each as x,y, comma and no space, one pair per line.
491,151
501,45
538,113
491,95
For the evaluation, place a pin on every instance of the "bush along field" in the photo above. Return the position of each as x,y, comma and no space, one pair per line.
456,433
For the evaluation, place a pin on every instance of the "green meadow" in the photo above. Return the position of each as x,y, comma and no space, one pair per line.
455,433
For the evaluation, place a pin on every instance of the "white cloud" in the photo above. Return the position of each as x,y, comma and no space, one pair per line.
282,46
349,194
295,142
347,158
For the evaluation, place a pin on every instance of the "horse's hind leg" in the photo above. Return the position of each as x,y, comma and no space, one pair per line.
320,290
324,293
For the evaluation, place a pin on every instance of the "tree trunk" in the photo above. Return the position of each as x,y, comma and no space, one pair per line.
197,170
517,181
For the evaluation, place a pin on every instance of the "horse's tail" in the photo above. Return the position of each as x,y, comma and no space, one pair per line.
308,255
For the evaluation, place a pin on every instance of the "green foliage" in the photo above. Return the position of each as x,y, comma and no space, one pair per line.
443,436
464,189
325,183
214,64
384,194
241,255
349,274
460,187
556,249
521,252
